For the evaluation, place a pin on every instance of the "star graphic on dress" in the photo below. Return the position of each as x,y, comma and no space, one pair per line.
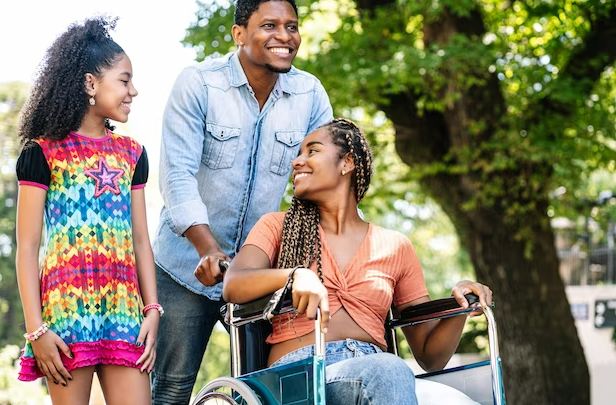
106,178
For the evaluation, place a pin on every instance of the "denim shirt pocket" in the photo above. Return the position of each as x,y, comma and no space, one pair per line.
285,150
220,146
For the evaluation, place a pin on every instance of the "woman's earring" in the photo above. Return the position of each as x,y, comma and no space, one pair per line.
92,101
343,172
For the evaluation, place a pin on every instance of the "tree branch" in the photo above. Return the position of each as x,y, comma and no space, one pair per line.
428,136
587,62
368,6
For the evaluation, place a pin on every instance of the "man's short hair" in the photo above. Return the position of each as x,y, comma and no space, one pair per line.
246,8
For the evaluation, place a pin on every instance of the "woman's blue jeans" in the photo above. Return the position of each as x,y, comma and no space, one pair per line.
359,373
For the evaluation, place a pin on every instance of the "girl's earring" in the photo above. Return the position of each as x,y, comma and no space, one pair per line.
343,172
92,101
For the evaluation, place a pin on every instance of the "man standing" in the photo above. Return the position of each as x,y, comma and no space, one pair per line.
231,128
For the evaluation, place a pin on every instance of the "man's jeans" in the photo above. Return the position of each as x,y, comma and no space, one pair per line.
183,335
359,373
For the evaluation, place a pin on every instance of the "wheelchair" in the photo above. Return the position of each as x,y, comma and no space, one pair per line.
303,382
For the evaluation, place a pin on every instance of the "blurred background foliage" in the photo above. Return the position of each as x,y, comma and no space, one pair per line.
12,96
12,392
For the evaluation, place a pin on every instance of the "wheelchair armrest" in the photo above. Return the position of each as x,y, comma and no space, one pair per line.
248,309
276,303
441,308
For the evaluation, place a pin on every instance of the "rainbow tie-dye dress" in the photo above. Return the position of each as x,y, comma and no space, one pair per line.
89,287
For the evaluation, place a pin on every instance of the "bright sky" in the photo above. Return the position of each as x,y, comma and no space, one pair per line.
150,33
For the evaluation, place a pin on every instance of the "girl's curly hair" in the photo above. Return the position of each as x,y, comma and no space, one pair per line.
300,240
58,100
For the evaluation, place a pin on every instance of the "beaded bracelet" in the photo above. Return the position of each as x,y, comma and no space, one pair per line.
157,307
31,337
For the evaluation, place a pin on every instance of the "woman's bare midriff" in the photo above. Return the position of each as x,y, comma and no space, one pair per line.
341,327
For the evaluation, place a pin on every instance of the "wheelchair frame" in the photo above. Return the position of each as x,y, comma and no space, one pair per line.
446,308
269,384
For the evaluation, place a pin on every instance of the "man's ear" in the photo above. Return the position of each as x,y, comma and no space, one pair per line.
90,84
239,33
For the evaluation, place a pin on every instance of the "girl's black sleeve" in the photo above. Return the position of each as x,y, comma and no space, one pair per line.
141,170
32,166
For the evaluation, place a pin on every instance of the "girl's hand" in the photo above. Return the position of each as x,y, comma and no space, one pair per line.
147,335
310,293
465,287
47,350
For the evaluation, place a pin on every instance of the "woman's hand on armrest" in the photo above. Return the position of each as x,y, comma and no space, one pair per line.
480,290
309,293
434,342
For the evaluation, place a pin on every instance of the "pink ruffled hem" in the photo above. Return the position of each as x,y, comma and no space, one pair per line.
87,354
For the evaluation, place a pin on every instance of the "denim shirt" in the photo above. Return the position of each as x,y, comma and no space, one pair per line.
223,161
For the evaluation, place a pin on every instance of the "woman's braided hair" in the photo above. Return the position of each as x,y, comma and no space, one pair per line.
58,99
301,243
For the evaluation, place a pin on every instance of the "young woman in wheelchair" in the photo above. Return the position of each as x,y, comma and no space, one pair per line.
350,269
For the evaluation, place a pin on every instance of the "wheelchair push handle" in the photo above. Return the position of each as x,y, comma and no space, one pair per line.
471,298
223,265
474,299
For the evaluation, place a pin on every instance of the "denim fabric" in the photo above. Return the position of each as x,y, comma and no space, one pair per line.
359,373
183,335
334,352
223,161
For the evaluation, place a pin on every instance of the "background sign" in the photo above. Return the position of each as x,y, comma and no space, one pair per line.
579,311
605,313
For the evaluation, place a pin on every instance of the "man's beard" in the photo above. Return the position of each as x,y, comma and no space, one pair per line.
277,69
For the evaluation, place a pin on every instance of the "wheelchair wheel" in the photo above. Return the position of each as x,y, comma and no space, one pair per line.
226,391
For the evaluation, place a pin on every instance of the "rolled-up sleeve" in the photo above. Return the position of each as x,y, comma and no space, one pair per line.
181,150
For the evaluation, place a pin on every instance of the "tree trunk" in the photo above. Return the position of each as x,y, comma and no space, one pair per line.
542,356
543,360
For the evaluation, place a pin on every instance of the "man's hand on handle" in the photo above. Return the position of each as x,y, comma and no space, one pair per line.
211,268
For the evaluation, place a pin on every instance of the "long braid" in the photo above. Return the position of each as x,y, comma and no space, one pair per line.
300,236
301,242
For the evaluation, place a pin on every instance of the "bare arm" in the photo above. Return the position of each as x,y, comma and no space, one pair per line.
208,271
30,207
433,343
143,249
147,279
250,276
31,203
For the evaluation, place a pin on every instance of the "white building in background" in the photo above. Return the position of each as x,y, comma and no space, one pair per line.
594,310
588,268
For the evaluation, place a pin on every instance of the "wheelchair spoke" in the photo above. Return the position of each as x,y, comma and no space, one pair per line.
216,398
226,391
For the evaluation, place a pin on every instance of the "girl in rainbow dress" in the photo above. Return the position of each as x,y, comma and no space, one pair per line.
84,304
